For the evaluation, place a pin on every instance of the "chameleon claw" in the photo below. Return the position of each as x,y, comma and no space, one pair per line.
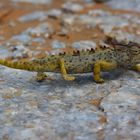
68,78
64,72
41,77
49,78
99,80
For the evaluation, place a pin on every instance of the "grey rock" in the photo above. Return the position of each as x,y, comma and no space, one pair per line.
73,7
63,32
125,4
100,1
21,38
30,109
43,29
124,36
98,12
65,110
4,52
57,44
19,47
34,1
68,19
54,52
84,45
21,54
54,13
12,24
106,23
37,15
88,1
122,110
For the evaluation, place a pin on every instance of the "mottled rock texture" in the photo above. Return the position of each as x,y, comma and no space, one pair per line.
56,109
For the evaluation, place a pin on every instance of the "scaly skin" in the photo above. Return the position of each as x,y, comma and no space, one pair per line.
126,55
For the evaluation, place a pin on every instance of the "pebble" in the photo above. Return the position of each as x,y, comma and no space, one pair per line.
125,5
34,1
41,29
100,1
121,36
84,45
72,7
54,13
105,23
37,15
68,19
21,38
63,32
20,51
4,53
57,44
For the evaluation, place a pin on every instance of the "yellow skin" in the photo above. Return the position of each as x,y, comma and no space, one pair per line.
120,55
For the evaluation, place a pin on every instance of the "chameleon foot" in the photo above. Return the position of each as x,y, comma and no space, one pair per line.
99,80
68,78
64,72
41,76
102,65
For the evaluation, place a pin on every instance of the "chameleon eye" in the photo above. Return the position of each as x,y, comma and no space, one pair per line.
135,50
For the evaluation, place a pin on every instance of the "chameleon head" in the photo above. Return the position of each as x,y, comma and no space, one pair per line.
127,53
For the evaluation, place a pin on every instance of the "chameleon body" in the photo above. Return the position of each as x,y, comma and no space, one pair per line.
120,54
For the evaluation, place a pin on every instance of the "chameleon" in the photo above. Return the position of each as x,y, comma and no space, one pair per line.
104,58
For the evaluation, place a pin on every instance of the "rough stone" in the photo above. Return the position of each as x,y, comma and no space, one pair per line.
56,109
84,45
73,7
125,5
37,15
57,44
34,1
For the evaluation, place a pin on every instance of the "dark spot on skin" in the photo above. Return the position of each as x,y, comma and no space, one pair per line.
92,50
53,56
70,61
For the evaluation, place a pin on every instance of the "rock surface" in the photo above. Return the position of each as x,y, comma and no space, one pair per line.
56,109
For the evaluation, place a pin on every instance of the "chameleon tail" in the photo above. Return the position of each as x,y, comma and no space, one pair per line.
19,65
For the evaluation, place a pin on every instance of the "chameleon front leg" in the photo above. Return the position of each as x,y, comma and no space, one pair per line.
41,76
136,67
64,72
102,66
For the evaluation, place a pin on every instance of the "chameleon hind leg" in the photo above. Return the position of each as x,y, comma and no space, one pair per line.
102,66
136,67
64,72
41,76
